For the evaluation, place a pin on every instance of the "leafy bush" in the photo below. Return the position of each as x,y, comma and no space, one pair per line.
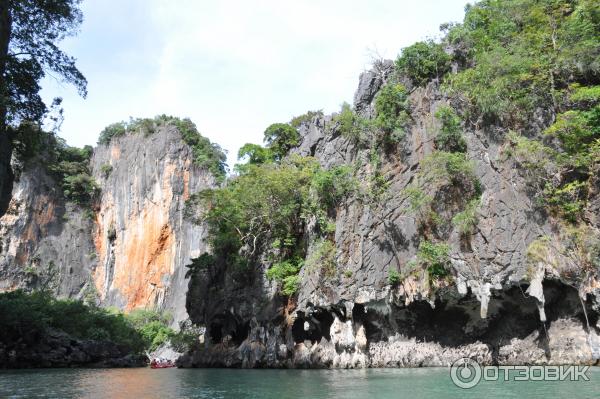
331,186
280,138
286,272
28,317
522,54
106,170
576,129
323,258
466,220
435,258
567,200
186,338
391,109
71,167
350,125
28,139
441,168
153,327
394,277
113,130
450,138
585,96
255,154
262,213
423,61
205,153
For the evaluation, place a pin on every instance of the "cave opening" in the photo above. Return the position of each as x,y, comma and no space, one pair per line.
215,332
370,320
313,327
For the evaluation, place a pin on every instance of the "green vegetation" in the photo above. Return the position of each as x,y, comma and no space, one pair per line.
29,316
70,166
423,61
434,258
306,118
254,154
584,96
106,170
352,126
466,220
280,138
286,272
524,54
450,138
263,212
206,154
30,37
453,174
152,326
322,258
575,255
431,258
394,277
441,168
388,127
560,172
392,111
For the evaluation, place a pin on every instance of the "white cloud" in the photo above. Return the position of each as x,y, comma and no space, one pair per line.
234,67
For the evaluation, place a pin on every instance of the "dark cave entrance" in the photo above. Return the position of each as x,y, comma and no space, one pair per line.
312,327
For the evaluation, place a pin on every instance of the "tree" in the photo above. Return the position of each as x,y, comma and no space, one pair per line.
423,61
280,138
29,33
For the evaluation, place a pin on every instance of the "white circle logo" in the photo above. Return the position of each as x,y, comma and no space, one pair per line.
465,373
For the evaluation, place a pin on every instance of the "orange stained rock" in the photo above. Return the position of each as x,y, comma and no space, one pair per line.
115,152
43,213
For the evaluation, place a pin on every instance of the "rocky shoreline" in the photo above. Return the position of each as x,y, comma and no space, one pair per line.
58,349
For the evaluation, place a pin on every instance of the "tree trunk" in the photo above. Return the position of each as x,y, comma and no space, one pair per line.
6,174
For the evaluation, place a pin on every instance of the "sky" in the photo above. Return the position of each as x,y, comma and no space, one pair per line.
232,66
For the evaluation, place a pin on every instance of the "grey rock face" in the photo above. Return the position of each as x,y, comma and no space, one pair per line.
498,309
131,249
45,241
141,236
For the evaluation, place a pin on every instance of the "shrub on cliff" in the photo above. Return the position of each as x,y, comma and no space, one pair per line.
350,125
263,213
205,153
280,138
450,138
304,119
392,112
522,54
423,61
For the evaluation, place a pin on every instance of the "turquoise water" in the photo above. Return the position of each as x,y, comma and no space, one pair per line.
227,383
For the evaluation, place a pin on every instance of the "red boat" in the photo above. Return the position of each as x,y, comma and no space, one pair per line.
154,364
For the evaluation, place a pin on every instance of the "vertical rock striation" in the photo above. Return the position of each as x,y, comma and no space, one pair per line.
141,237
130,248
497,310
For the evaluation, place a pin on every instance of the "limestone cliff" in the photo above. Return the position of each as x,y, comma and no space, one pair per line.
142,240
130,247
499,308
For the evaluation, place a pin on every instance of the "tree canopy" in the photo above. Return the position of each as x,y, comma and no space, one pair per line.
30,31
